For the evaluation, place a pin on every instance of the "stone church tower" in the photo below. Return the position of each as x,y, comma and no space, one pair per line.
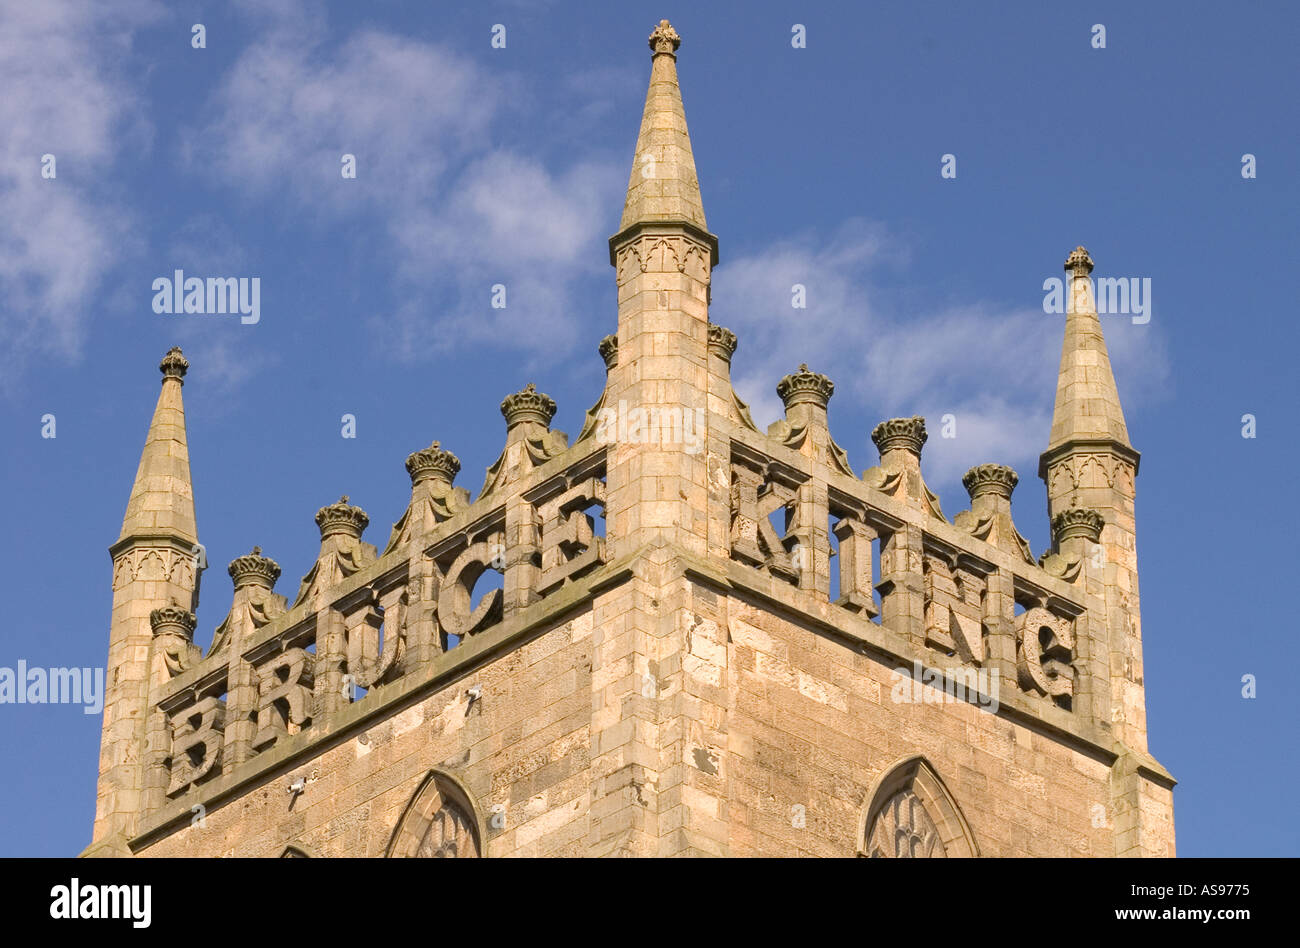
704,639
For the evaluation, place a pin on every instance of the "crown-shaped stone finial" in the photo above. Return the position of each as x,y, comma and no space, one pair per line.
664,39
432,462
906,433
254,569
174,365
1077,522
805,387
173,618
990,479
341,518
1078,263
528,405
608,349
722,341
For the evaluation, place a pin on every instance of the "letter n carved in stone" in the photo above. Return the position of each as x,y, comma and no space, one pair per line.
954,611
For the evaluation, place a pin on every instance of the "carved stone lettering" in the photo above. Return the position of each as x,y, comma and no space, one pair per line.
284,696
454,612
569,546
196,743
1045,650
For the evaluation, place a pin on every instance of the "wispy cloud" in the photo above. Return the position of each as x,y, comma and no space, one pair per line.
66,94
989,364
459,214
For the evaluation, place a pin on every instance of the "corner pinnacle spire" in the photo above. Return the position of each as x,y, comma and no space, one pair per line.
162,499
663,186
1087,405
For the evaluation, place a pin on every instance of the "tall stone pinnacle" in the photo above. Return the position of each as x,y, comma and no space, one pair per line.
1087,402
663,186
162,499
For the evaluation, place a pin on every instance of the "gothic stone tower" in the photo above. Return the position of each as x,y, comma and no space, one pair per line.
715,671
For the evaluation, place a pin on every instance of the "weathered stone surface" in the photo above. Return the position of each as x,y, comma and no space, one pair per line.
707,640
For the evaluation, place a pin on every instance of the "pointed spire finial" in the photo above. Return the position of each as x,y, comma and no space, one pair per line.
162,496
663,187
1087,409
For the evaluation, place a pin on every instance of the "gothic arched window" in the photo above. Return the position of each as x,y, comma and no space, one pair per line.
911,814
440,822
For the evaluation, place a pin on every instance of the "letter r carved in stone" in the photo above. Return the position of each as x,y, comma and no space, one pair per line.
284,696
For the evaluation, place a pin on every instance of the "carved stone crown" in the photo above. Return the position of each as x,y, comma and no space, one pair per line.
1078,262
432,462
805,387
722,341
174,365
173,619
664,39
608,349
907,433
254,569
528,405
1078,522
341,518
990,479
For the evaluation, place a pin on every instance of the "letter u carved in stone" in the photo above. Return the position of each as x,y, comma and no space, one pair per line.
380,619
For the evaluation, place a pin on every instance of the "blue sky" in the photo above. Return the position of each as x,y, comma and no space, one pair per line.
479,166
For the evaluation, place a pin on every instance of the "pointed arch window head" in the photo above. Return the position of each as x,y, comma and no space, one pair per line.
441,822
911,814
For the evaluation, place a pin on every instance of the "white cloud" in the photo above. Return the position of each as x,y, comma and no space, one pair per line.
459,214
65,94
992,366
